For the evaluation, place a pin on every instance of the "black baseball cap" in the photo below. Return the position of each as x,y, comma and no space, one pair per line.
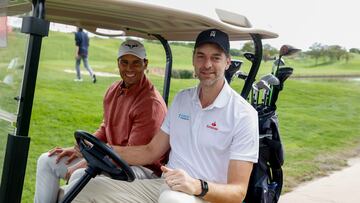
214,36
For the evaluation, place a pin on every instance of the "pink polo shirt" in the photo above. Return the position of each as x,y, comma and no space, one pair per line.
132,116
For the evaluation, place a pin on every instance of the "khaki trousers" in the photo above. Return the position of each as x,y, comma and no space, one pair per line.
105,190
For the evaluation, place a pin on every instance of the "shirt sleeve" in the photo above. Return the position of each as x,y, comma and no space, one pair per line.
166,124
147,120
77,39
245,143
100,133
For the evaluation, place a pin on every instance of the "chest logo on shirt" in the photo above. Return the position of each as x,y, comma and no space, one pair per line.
184,117
212,126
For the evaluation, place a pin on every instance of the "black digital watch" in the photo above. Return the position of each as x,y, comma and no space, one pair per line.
204,188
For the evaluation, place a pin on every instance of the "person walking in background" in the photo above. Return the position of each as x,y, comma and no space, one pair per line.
82,46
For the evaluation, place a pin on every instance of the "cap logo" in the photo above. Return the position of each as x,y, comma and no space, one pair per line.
212,33
131,45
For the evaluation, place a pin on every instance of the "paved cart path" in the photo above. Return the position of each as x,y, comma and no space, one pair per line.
339,187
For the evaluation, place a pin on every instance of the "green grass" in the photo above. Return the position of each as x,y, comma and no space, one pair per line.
320,126
319,120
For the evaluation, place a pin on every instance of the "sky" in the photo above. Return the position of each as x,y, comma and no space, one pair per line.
298,22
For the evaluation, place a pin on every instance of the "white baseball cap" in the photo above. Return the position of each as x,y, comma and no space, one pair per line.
132,47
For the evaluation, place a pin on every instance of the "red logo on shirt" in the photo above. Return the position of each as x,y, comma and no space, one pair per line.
212,126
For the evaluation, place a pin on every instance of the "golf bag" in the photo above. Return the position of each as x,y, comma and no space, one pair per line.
266,179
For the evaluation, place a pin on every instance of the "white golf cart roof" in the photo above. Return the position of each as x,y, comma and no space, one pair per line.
143,20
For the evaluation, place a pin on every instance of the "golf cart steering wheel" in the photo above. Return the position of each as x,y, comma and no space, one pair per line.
102,158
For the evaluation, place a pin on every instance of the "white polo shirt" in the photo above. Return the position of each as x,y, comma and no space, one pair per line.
203,141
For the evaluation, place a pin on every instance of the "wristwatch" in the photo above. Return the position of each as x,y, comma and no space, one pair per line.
204,188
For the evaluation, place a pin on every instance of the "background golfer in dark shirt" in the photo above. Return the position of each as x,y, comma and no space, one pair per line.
82,46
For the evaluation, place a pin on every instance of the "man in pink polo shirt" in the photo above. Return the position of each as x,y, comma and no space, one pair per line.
133,113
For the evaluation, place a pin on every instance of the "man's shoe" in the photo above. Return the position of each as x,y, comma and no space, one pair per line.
94,79
78,80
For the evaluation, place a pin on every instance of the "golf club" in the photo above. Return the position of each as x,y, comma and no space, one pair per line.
241,75
249,56
255,91
277,63
233,68
286,50
271,80
282,74
261,85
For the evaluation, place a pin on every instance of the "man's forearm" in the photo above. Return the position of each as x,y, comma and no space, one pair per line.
236,188
145,154
225,193
135,155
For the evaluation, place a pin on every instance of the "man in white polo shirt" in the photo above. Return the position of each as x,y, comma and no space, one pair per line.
213,135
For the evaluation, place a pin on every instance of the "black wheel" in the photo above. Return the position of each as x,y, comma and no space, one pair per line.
102,158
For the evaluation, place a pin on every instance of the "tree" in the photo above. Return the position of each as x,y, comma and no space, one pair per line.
248,47
354,50
235,52
269,52
316,51
348,56
335,52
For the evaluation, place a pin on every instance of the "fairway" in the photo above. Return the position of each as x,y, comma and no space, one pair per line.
319,120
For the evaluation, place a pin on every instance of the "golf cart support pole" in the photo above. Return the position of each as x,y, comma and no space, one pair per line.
18,145
254,66
168,67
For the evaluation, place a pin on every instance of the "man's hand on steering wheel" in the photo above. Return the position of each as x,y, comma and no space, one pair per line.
101,158
69,152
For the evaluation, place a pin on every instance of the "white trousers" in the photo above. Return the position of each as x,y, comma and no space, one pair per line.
48,175
106,190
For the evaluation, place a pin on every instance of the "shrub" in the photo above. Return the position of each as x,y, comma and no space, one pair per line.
182,74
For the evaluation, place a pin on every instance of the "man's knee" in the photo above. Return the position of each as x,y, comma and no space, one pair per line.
77,174
46,164
44,160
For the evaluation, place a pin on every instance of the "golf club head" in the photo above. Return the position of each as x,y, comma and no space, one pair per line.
282,74
263,85
270,79
255,92
279,62
233,68
241,75
287,50
249,56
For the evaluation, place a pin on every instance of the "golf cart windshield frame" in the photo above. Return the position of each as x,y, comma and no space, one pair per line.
18,145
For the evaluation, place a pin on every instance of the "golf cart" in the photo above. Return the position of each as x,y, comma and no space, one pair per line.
136,19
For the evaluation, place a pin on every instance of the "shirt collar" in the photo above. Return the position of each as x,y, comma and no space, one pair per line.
133,89
221,100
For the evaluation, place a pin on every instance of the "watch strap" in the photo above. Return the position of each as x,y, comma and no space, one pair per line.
204,188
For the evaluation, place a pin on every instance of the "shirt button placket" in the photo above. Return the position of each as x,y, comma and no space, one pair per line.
197,125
